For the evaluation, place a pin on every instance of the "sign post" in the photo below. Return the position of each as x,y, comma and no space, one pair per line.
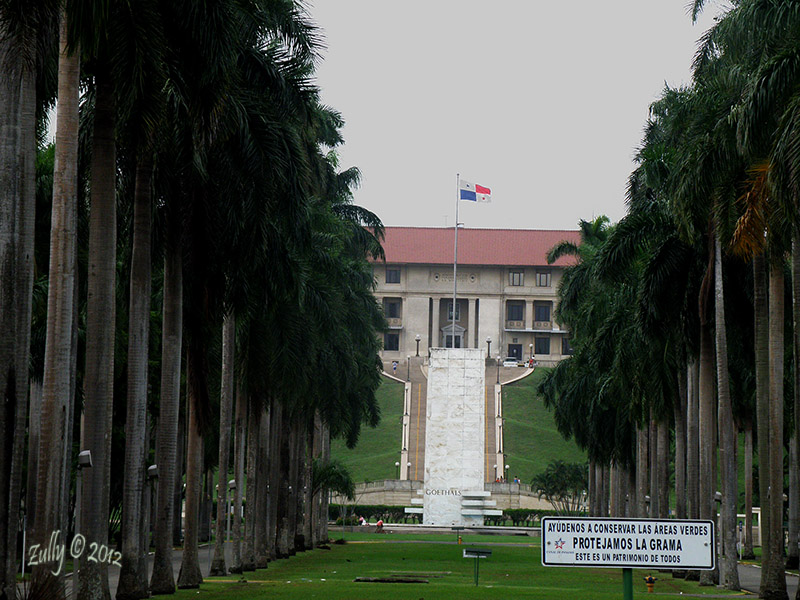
627,583
477,555
628,543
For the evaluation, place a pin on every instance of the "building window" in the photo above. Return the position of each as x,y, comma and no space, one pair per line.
515,350
566,348
515,311
391,308
515,278
450,311
541,311
392,274
543,278
542,345
391,341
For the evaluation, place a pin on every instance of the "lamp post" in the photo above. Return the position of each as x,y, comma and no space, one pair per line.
397,469
417,339
495,472
232,488
507,467
408,368
488,347
408,470
498,368
531,347
152,475
84,462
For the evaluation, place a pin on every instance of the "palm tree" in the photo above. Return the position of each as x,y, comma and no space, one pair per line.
56,392
133,583
19,28
100,329
162,580
225,410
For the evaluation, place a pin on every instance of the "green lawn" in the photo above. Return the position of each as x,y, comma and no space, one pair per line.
531,438
512,571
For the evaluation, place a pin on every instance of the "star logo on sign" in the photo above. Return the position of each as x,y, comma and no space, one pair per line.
560,544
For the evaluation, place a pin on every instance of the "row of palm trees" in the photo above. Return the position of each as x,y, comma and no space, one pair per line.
193,191
678,311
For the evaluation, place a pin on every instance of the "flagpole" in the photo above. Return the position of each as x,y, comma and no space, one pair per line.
455,263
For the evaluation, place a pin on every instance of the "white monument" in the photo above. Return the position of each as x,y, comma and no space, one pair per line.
455,434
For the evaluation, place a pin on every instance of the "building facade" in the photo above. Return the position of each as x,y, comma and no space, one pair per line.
505,292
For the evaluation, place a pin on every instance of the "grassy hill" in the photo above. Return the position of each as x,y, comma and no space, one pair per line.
378,449
531,438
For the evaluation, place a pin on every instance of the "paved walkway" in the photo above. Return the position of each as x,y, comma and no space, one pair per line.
750,580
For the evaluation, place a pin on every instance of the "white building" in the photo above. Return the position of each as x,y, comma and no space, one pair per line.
506,292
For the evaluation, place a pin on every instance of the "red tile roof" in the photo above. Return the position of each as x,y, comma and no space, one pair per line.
509,247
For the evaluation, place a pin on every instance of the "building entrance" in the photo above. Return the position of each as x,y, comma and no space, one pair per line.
451,341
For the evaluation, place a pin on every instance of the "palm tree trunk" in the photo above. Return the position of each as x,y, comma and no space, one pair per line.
295,443
34,434
679,411
654,467
761,353
162,580
706,434
282,517
275,480
614,505
692,441
145,530
748,553
604,497
132,581
262,474
56,401
17,189
729,573
642,471
249,551
793,506
100,326
326,457
663,469
238,474
593,512
206,504
178,490
225,408
316,509
774,579
190,576
793,555
308,498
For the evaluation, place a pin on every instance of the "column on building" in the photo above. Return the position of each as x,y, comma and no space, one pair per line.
529,315
490,323
415,322
469,334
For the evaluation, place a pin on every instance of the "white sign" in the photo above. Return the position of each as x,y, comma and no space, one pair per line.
650,543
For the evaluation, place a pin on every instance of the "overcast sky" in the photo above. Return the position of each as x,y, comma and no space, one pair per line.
543,102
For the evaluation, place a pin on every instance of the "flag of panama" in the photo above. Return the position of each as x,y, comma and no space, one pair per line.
473,192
